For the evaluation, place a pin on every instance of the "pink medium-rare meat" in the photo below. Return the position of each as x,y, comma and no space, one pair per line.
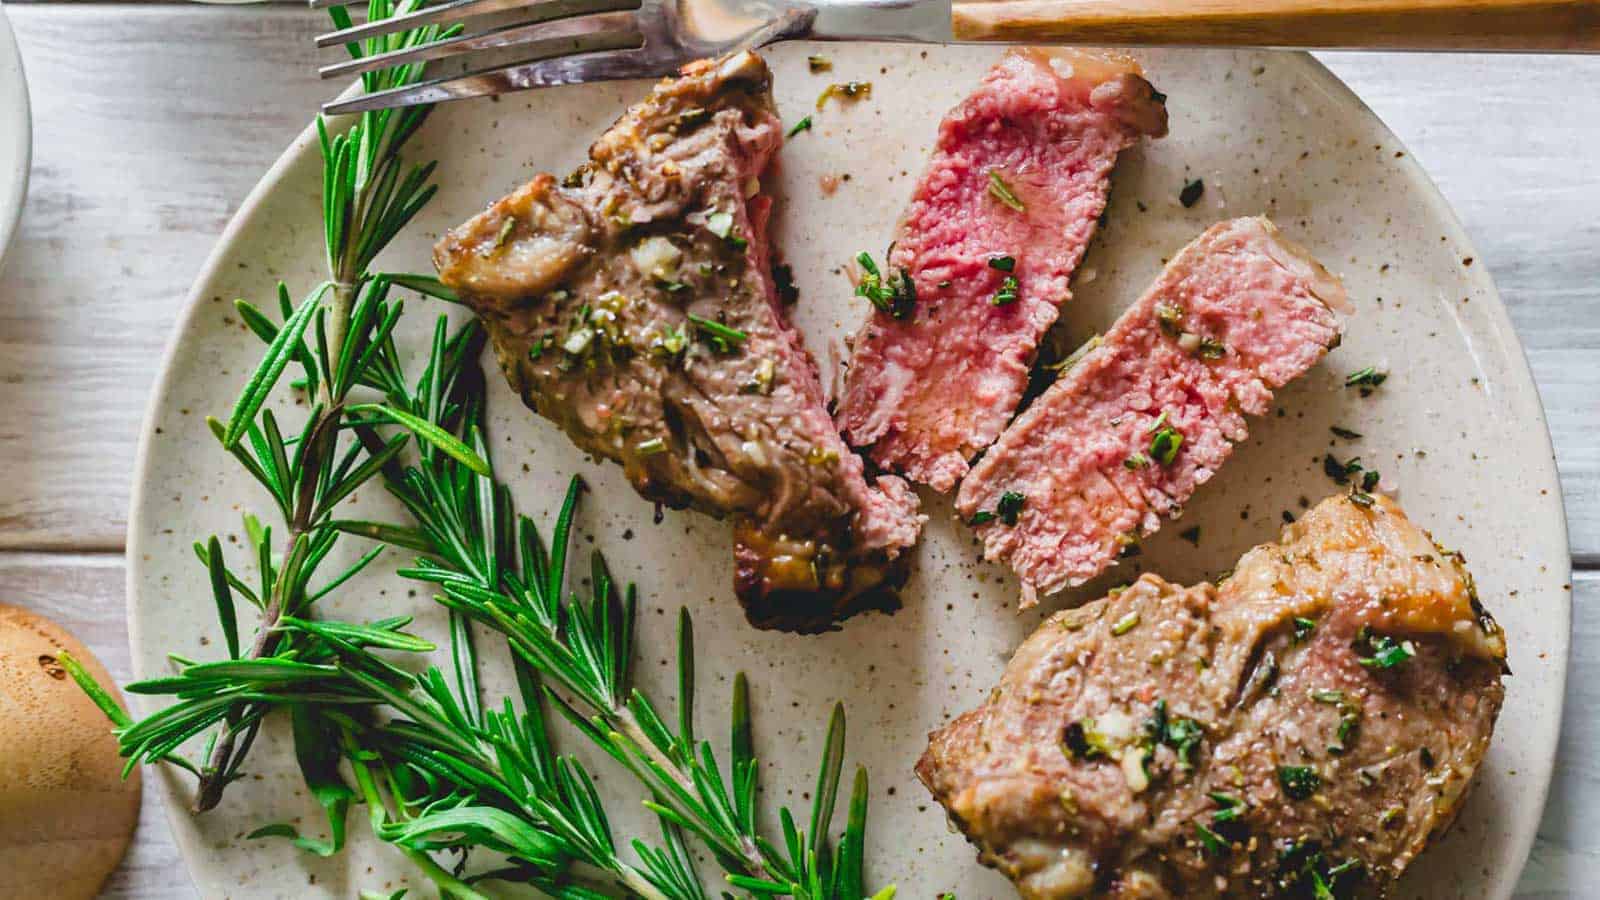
1126,435
933,381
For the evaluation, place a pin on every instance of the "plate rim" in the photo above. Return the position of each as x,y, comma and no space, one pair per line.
1437,204
1482,280
14,184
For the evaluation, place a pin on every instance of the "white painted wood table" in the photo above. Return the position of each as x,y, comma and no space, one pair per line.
152,121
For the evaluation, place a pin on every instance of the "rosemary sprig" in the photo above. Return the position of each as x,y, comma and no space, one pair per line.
438,769
492,567
366,202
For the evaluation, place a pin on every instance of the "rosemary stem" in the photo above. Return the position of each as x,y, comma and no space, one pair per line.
637,883
623,720
449,885
325,438
344,299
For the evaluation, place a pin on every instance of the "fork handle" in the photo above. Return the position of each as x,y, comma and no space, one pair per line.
1536,25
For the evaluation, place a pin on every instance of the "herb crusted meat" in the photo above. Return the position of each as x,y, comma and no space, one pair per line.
1126,435
632,304
981,260
1302,730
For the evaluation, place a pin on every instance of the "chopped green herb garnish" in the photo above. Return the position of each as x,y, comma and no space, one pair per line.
895,295
803,125
723,338
1164,445
1369,480
1361,498
1345,433
539,346
1349,721
651,447
1303,628
1325,695
981,517
1010,505
1385,652
1211,843
506,227
1136,461
1125,624
1231,807
1007,293
1211,348
1003,263
1366,379
1369,377
1190,195
1001,191
1298,782
1390,816
1183,736
672,343
819,64
850,90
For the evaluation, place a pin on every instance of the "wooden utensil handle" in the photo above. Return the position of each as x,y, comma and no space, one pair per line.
1544,25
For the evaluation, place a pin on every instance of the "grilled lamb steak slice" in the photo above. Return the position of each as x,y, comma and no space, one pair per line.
1316,718
1126,435
632,304
996,226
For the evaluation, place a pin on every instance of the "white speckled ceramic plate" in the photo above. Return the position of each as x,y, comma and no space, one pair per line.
1457,431
16,134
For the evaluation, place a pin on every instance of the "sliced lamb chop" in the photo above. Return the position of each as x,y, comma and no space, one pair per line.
1302,730
981,261
1127,434
632,304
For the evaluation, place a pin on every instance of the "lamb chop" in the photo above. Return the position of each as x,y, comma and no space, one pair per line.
633,304
1302,730
1127,434
981,261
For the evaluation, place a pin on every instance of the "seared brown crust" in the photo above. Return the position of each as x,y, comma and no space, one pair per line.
1059,783
632,305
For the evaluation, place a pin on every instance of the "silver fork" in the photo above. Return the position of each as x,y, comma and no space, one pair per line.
572,41
614,39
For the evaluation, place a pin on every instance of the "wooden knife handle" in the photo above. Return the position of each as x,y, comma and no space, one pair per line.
1538,25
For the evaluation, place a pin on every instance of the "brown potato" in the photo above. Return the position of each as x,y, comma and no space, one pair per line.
66,815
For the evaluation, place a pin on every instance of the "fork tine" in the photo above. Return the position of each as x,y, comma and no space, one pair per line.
620,24
454,11
607,65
